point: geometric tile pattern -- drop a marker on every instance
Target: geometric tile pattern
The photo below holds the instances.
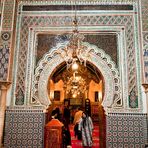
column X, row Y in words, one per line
column 6, row 26
column 24, row 128
column 7, row 15
column 4, row 60
column 126, row 130
column 45, row 21
column 144, row 7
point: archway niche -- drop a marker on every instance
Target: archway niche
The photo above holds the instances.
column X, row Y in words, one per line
column 76, row 85
column 97, row 57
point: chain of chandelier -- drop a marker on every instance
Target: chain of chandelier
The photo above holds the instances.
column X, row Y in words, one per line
column 75, row 51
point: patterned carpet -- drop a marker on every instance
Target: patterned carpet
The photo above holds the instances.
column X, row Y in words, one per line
column 78, row 143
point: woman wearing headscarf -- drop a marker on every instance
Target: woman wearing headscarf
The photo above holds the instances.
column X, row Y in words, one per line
column 86, row 127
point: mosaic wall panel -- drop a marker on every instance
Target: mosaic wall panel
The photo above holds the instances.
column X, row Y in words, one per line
column 4, row 61
column 46, row 21
column 145, row 56
column 5, row 35
column 144, row 7
column 7, row 15
column 24, row 128
column 126, row 130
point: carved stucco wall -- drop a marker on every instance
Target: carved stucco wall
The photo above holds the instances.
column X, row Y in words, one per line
column 124, row 23
column 94, row 55
column 107, row 42
column 123, row 130
column 144, row 8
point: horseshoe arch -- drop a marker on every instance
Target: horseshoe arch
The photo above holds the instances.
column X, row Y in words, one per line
column 112, row 91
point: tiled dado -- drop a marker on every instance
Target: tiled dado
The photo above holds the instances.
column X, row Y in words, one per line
column 24, row 128
column 126, row 130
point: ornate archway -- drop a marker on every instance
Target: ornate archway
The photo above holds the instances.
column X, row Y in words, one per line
column 112, row 90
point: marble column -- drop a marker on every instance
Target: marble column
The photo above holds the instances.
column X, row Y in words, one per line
column 146, row 92
column 3, row 89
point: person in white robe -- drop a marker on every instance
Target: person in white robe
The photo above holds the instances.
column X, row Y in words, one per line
column 86, row 127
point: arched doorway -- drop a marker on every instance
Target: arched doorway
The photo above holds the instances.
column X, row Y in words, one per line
column 95, row 56
column 47, row 67
column 75, row 86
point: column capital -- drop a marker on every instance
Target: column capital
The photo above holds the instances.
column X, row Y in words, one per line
column 145, row 87
column 4, row 85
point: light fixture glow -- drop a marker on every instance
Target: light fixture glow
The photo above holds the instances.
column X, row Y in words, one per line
column 75, row 66
column 74, row 95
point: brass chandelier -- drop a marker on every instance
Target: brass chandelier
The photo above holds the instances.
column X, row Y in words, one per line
column 76, row 85
column 75, row 50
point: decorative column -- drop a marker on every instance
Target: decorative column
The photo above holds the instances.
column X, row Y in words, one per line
column 3, row 89
column 102, row 125
column 146, row 92
column 144, row 12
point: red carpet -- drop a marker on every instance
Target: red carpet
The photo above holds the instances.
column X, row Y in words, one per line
column 78, row 143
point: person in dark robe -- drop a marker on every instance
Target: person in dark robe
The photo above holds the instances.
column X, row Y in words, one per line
column 66, row 135
column 56, row 113
column 66, row 114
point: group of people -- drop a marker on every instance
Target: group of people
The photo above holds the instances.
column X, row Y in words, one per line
column 83, row 126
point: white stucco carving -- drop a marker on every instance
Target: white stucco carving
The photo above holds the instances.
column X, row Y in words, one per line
column 96, row 56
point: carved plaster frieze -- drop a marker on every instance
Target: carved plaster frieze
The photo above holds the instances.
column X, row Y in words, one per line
column 57, row 2
column 96, row 56
column 27, row 21
column 122, row 110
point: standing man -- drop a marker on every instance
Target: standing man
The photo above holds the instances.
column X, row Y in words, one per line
column 66, row 114
column 76, row 121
